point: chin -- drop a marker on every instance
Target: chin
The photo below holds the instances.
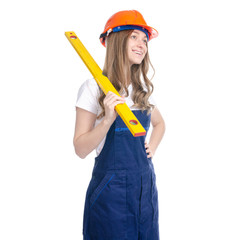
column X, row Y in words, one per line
column 137, row 63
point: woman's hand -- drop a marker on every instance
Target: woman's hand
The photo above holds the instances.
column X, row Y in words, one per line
column 149, row 151
column 110, row 101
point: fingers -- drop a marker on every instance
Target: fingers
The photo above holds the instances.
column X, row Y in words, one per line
column 148, row 150
column 111, row 100
column 112, row 96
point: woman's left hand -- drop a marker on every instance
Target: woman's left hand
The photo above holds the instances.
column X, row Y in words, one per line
column 149, row 151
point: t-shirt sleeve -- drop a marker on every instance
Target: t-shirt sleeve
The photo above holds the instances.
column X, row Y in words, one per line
column 152, row 100
column 87, row 97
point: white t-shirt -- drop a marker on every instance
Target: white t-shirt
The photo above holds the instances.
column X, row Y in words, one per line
column 87, row 99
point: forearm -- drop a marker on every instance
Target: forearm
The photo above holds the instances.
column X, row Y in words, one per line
column 156, row 136
column 87, row 142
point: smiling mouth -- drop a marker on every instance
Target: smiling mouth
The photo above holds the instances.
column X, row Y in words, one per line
column 138, row 52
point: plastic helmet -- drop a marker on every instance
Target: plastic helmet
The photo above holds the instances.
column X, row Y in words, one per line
column 124, row 20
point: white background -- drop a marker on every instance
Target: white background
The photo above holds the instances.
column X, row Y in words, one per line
column 196, row 58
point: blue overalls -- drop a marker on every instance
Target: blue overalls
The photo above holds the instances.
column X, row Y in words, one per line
column 122, row 200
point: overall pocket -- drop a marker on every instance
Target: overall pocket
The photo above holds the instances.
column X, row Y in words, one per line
column 103, row 184
column 108, row 218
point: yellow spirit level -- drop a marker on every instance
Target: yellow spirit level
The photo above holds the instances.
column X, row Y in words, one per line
column 122, row 109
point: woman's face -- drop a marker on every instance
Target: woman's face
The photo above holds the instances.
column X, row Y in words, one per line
column 137, row 47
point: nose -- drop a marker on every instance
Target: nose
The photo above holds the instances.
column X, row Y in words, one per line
column 141, row 43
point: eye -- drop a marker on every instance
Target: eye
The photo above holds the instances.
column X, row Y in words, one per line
column 133, row 36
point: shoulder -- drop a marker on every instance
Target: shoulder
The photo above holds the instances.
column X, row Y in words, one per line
column 88, row 95
column 89, row 83
column 90, row 86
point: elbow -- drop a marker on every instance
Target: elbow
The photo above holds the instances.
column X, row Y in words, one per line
column 79, row 151
column 80, row 154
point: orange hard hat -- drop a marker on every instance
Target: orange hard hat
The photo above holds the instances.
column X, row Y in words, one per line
column 129, row 19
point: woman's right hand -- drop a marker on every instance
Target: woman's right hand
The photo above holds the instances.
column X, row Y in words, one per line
column 110, row 101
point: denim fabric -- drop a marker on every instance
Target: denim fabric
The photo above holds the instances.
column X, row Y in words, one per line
column 122, row 199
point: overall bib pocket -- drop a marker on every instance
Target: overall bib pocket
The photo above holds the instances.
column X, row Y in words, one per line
column 108, row 217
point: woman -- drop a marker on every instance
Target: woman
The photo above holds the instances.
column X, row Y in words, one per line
column 121, row 200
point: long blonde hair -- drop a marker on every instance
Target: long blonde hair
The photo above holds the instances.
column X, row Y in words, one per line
column 121, row 76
